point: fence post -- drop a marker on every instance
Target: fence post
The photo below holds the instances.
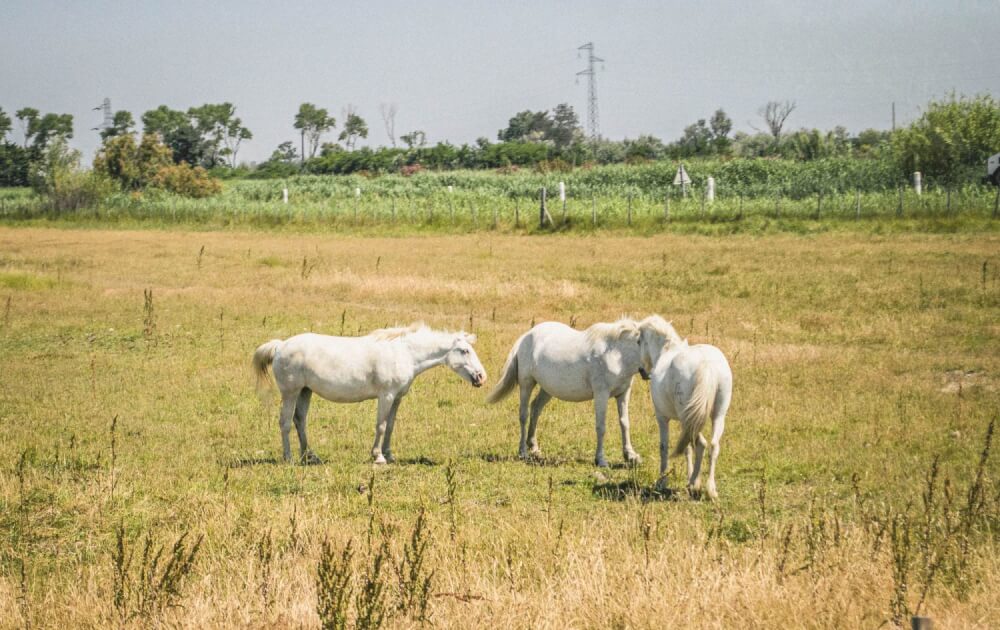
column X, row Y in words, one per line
column 284, row 195
column 543, row 212
column 857, row 204
column 918, row 184
column 710, row 190
column 562, row 198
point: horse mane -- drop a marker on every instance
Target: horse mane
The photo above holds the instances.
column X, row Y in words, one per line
column 389, row 334
column 612, row 331
column 661, row 327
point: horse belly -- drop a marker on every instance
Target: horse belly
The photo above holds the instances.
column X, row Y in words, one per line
column 343, row 391
column 565, row 383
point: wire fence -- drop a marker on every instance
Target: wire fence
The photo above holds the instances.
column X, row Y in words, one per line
column 473, row 210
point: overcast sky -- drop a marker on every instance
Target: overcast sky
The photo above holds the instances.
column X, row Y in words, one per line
column 460, row 70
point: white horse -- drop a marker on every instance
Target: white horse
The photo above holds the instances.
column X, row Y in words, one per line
column 690, row 384
column 573, row 365
column 379, row 365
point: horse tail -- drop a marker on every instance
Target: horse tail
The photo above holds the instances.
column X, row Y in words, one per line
column 506, row 384
column 698, row 410
column 263, row 356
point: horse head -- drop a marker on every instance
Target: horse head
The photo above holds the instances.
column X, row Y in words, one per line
column 462, row 359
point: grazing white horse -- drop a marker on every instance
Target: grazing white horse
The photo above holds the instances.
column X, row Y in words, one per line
column 572, row 365
column 379, row 365
column 690, row 384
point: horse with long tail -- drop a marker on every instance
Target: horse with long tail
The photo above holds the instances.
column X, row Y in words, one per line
column 380, row 365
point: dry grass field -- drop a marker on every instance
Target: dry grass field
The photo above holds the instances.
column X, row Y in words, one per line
column 852, row 486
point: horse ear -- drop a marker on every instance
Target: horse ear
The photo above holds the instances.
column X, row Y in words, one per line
column 471, row 338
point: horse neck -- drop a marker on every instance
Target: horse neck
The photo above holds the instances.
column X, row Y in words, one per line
column 428, row 350
column 663, row 343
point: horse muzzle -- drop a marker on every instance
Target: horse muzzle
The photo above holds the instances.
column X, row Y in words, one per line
column 478, row 380
column 644, row 374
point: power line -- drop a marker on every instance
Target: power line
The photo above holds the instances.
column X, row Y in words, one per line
column 591, row 74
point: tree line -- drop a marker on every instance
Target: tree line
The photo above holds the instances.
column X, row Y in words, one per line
column 951, row 140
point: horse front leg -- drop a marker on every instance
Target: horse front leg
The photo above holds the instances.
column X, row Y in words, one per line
column 390, row 424
column 600, row 416
column 664, row 423
column 381, row 421
column 631, row 457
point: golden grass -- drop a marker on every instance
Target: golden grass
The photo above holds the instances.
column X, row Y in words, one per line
column 857, row 358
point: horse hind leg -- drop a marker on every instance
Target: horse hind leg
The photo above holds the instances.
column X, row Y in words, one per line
column 301, row 412
column 525, row 387
column 285, row 417
column 718, row 426
column 694, row 469
column 542, row 398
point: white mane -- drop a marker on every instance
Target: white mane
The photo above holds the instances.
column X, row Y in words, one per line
column 613, row 331
column 389, row 334
column 661, row 327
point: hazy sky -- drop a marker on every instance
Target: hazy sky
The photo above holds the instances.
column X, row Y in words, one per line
column 460, row 70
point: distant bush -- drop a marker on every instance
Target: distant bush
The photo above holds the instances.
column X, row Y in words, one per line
column 182, row 179
column 150, row 165
column 58, row 177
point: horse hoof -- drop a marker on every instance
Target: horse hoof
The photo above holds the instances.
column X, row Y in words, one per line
column 311, row 459
column 633, row 459
column 380, row 460
column 389, row 458
column 601, row 463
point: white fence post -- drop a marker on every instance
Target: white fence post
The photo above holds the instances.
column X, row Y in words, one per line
column 918, row 183
column 710, row 190
column 284, row 195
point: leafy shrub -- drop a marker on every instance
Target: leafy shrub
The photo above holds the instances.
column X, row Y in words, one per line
column 186, row 181
column 58, row 177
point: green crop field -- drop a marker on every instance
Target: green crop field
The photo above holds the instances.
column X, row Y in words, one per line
column 856, row 483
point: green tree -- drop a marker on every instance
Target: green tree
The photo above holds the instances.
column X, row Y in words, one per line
column 40, row 129
column 697, row 139
column 122, row 124
column 720, row 125
column 354, row 127
column 414, row 140
column 177, row 132
column 5, row 124
column 953, row 138
column 222, row 131
column 565, row 126
column 526, row 125
column 28, row 116
column 312, row 122
column 285, row 153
